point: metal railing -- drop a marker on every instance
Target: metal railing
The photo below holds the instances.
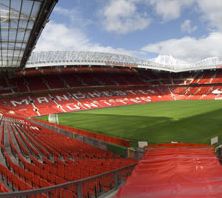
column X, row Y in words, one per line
column 93, row 186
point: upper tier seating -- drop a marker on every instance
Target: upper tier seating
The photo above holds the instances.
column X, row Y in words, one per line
column 85, row 77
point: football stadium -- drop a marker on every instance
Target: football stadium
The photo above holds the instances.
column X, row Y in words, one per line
column 83, row 123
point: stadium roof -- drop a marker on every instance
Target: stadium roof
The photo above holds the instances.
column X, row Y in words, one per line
column 77, row 58
column 21, row 22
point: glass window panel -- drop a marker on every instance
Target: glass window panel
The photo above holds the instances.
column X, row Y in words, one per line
column 12, row 35
column 36, row 8
column 30, row 25
column 17, row 18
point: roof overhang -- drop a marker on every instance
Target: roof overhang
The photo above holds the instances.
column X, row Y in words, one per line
column 21, row 23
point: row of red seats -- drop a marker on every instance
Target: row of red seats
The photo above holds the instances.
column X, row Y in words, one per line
column 10, row 177
column 75, row 160
column 103, row 137
column 3, row 189
column 30, row 147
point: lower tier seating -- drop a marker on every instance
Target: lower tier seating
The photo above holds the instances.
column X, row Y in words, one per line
column 34, row 157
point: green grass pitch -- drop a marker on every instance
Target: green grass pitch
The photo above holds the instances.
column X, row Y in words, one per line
column 183, row 121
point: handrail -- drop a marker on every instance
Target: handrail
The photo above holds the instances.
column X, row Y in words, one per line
column 67, row 184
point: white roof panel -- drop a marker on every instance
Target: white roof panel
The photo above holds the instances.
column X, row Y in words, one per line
column 80, row 58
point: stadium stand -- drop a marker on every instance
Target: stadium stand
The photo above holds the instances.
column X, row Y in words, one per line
column 43, row 91
column 34, row 157
column 30, row 160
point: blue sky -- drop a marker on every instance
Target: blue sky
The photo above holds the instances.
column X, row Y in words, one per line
column 190, row 30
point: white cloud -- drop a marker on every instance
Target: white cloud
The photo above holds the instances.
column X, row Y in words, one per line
column 60, row 37
column 72, row 36
column 169, row 9
column 211, row 12
column 189, row 48
column 73, row 16
column 188, row 27
column 122, row 16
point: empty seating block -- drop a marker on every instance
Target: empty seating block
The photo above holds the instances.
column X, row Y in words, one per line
column 35, row 157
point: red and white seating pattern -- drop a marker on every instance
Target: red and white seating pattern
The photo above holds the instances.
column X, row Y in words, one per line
column 74, row 89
